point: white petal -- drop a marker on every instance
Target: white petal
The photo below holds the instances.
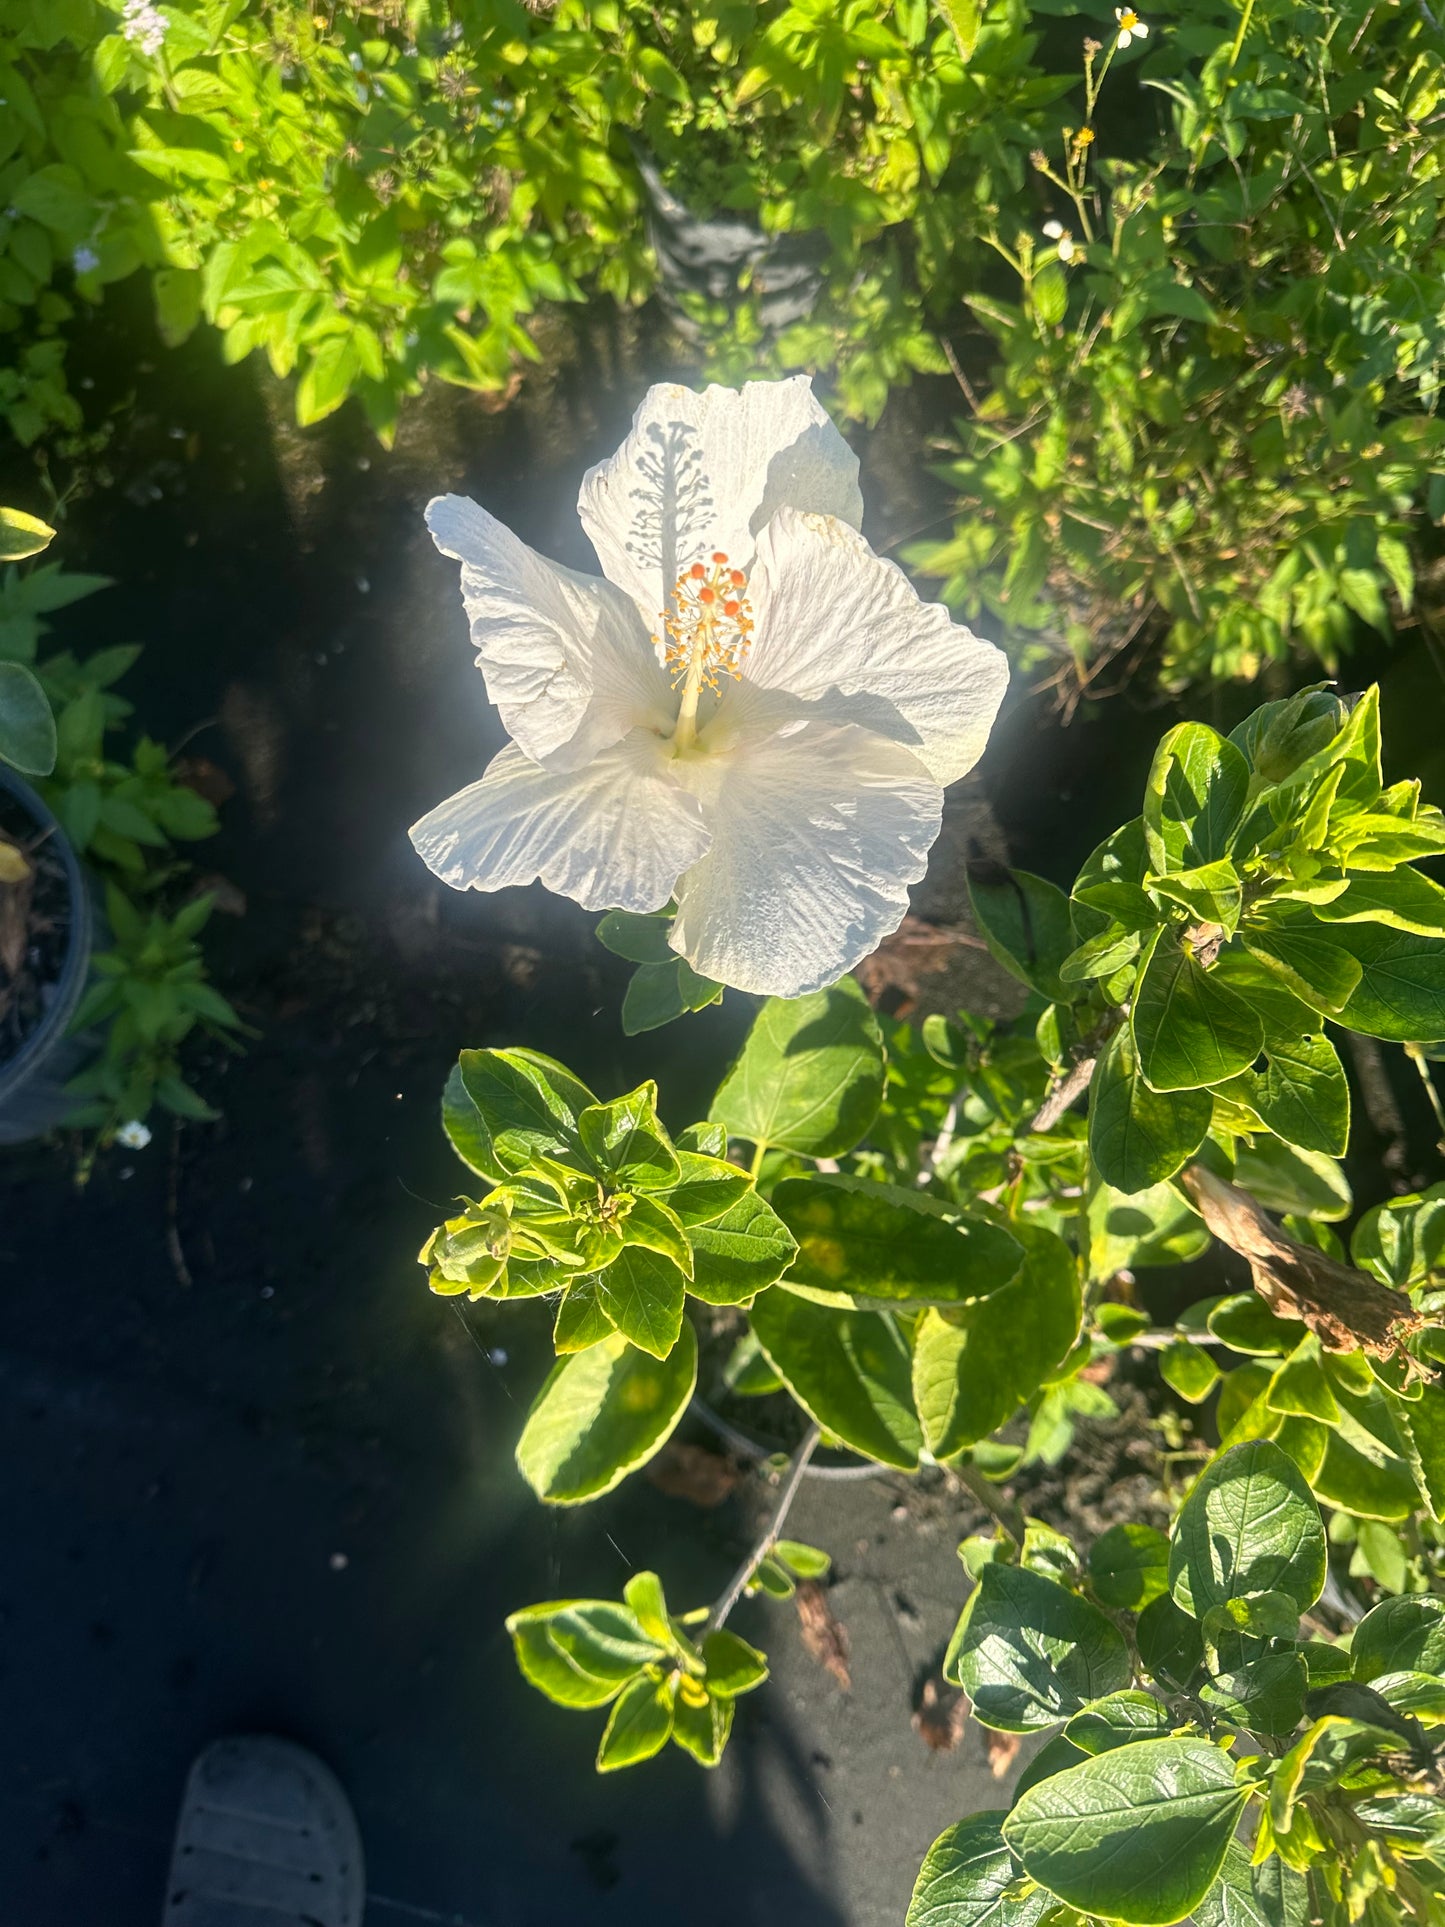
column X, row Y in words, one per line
column 566, row 659
column 843, row 627
column 614, row 835
column 704, row 472
column 818, row 830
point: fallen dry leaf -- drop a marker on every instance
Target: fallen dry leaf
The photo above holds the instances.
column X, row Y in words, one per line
column 693, row 1473
column 229, row 898
column 825, row 1636
column 1002, row 1750
column 940, row 1716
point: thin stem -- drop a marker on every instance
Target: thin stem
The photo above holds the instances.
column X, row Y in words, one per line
column 685, row 735
column 760, row 1151
column 1010, row 1517
column 1417, row 1058
column 792, row 1479
column 1244, row 19
column 747, row 1447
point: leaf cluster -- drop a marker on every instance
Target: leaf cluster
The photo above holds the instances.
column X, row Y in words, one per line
column 1212, row 1757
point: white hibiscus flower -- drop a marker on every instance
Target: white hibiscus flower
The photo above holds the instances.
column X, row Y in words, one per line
column 753, row 714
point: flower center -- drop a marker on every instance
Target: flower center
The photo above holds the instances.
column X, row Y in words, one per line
column 708, row 628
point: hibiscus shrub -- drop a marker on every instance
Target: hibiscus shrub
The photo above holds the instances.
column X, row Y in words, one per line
column 928, row 1246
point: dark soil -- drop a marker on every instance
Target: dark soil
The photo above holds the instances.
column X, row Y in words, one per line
column 34, row 928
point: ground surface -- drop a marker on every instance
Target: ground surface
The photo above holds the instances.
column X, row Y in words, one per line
column 256, row 1478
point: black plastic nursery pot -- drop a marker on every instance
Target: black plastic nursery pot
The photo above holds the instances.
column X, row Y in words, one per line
column 37, row 1054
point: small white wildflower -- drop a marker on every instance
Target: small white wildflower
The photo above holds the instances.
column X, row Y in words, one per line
column 1131, row 27
column 85, row 260
column 1064, row 241
column 135, row 1136
column 144, row 24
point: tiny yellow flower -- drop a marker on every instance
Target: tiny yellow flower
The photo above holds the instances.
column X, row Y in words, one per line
column 1084, row 137
column 1131, row 27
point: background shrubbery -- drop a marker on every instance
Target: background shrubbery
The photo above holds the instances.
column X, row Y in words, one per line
column 1197, row 418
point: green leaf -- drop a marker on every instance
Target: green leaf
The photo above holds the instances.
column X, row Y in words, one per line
column 1194, row 798
column 650, row 1223
column 863, row 1241
column 1249, row 1525
column 639, row 1725
column 660, row 993
column 1138, row 1834
column 1401, row 899
column 1129, row 1567
column 1153, row 1227
column 1284, row 1179
column 810, row 1076
column 1029, row 1654
column 581, row 1652
column 1026, row 924
column 640, row 939
column 967, row 1880
column 708, row 1187
column 1246, row 1324
column 1270, row 1895
column 975, row 1365
column 1100, row 956
column 1401, row 1635
column 1302, row 1094
column 1119, row 1719
column 642, row 1292
column 1401, row 992
column 1255, row 1684
column 22, row 535
column 850, row 1371
column 27, row 727
column 624, row 1140
column 581, row 1322
column 804, row 1562
column 739, row 1254
column 1171, row 1646
column 601, row 1414
column 503, row 1107
column 646, row 1599
column 177, row 293
column 702, row 1729
column 1137, row 1137
column 1212, row 892
column 733, row 1667
column 1190, row 1030
column 1319, row 970
column 1189, row 1370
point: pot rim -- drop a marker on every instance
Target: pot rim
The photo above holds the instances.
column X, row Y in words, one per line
column 75, row 969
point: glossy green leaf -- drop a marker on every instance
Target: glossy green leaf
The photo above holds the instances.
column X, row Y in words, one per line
column 1029, row 1654
column 1171, row 1646
column 1190, row 1029
column 503, row 1107
column 22, row 535
column 640, row 939
column 970, row 1879
column 1246, row 1324
column 848, row 1370
column 1138, row 1137
column 859, row 1241
column 975, row 1365
column 1401, row 899
column 1138, row 1834
column 1129, row 1566
column 1194, row 798
column 1025, row 923
column 1401, row 1635
column 1284, row 1178
column 1270, row 1895
column 1119, row 1719
column 706, row 1188
column 581, row 1652
column 1154, row 1227
column 1250, row 1525
column 648, row 1222
column 1317, row 969
column 1302, row 1094
column 1210, row 892
column 639, row 1724
column 642, row 1292
column 1401, row 992
column 810, row 1076
column 741, row 1253
column 1190, row 1370
column 733, row 1667
column 660, row 993
column 702, row 1728
column 600, row 1414
column 581, row 1321
column 625, row 1141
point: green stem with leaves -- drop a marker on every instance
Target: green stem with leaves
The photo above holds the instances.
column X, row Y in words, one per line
column 792, row 1479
